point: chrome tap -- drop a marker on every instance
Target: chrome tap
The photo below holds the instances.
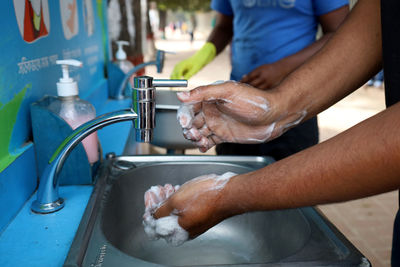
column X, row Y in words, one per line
column 144, row 104
column 142, row 115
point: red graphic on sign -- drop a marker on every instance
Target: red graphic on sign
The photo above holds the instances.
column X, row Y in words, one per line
column 32, row 31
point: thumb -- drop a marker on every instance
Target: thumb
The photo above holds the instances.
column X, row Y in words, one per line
column 163, row 211
column 205, row 93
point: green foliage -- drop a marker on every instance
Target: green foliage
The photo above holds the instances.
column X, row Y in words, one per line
column 184, row 5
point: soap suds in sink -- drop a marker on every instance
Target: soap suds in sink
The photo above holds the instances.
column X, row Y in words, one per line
column 167, row 227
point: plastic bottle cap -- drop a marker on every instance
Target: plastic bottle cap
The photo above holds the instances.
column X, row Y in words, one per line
column 67, row 86
column 121, row 55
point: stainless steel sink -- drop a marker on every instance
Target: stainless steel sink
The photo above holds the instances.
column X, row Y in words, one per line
column 111, row 231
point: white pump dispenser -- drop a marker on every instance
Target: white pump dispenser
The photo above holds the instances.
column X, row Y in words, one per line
column 73, row 110
column 121, row 55
column 67, row 86
column 121, row 59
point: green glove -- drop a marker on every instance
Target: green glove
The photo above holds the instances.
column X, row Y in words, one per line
column 189, row 67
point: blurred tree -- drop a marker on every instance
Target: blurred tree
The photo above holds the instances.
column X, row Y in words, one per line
column 125, row 23
column 185, row 5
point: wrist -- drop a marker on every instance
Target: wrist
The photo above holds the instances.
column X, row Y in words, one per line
column 288, row 109
column 233, row 201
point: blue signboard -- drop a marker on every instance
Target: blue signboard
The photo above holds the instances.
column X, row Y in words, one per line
column 35, row 33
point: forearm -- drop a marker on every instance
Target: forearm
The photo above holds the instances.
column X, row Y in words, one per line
column 222, row 33
column 360, row 162
column 347, row 60
column 292, row 62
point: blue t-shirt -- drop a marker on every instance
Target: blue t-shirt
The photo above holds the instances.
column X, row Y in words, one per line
column 266, row 31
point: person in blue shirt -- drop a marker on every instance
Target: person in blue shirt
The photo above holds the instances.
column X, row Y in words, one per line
column 377, row 80
column 270, row 38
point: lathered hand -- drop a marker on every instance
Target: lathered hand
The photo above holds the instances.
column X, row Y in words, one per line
column 197, row 204
column 234, row 112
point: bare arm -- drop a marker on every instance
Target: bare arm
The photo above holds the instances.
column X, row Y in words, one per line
column 345, row 63
column 222, row 33
column 359, row 162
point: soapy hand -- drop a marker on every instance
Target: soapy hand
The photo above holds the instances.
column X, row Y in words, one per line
column 166, row 227
column 196, row 207
column 233, row 112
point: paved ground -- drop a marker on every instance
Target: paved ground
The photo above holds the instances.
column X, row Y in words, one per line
column 368, row 222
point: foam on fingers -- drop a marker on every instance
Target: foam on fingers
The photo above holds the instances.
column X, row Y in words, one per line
column 168, row 227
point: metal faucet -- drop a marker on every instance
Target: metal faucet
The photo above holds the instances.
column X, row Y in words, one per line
column 158, row 62
column 142, row 114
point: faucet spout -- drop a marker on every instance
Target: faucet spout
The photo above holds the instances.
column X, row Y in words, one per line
column 144, row 103
column 48, row 199
column 142, row 115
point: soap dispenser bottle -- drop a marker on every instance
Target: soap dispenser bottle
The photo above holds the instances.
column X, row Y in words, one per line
column 74, row 110
column 121, row 59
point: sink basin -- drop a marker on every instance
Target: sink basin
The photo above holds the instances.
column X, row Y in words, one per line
column 111, row 231
column 241, row 239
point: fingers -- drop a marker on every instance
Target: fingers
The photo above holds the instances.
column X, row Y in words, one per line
column 163, row 223
column 153, row 197
column 200, row 134
column 156, row 198
column 157, row 195
column 181, row 69
column 258, row 82
column 175, row 75
column 177, row 72
column 206, row 93
column 195, row 129
column 185, row 116
column 255, row 79
column 193, row 125
column 190, row 72
column 247, row 78
column 198, row 121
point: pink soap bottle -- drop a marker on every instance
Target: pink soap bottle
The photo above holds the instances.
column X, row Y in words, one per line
column 76, row 111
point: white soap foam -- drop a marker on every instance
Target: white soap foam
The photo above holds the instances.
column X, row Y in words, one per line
column 168, row 227
column 185, row 116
